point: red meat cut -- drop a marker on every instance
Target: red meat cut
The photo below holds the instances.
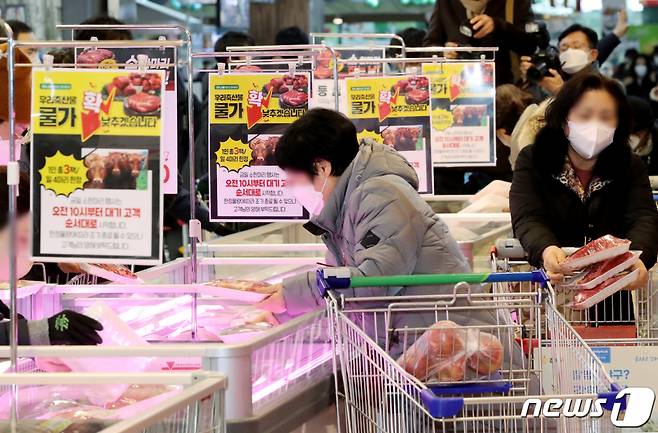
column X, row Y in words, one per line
column 143, row 102
column 418, row 96
column 599, row 272
column 294, row 98
column 598, row 250
column 94, row 57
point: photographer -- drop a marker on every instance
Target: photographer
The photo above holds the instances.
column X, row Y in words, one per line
column 579, row 49
column 483, row 23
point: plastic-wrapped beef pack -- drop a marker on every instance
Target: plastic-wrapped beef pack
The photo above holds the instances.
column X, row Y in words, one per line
column 598, row 250
column 598, row 273
column 443, row 353
column 584, row 299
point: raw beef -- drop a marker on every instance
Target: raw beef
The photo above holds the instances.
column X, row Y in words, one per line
column 294, row 98
column 245, row 285
column 249, row 68
column 600, row 272
column 588, row 298
column 438, row 354
column 94, row 56
column 143, row 103
column 323, row 72
column 489, row 355
column 598, row 250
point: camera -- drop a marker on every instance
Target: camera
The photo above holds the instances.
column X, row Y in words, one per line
column 466, row 29
column 546, row 57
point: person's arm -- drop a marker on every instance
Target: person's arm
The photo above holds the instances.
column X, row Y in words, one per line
column 23, row 333
column 436, row 34
column 529, row 217
column 513, row 35
column 392, row 229
column 641, row 215
column 606, row 46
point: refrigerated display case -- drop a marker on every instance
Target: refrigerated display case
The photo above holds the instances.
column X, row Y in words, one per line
column 80, row 402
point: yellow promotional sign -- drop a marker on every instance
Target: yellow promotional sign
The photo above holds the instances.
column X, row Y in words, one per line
column 387, row 97
column 254, row 99
column 460, row 80
column 97, row 102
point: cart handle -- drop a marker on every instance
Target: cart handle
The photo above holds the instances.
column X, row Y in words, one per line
column 340, row 278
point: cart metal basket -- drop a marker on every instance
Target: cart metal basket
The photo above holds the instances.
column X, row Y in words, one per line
column 380, row 396
column 195, row 404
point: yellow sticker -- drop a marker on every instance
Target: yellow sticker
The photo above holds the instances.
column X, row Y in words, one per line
column 377, row 138
column 233, row 155
column 441, row 119
column 63, row 174
column 107, row 64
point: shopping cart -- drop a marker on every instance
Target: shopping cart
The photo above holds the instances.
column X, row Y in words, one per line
column 626, row 315
column 380, row 396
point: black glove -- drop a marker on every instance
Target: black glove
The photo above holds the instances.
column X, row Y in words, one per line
column 69, row 327
column 5, row 312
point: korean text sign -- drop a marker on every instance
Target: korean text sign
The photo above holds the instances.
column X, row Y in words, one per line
column 248, row 113
column 156, row 59
column 395, row 111
column 463, row 121
column 95, row 165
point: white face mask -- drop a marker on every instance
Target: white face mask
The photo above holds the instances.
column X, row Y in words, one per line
column 589, row 139
column 574, row 60
column 641, row 70
column 655, row 60
column 308, row 197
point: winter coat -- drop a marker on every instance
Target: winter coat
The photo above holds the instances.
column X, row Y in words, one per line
column 448, row 15
column 547, row 212
column 376, row 223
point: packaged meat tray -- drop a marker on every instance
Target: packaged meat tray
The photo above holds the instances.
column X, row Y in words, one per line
column 584, row 299
column 602, row 271
column 115, row 273
column 243, row 290
column 598, row 250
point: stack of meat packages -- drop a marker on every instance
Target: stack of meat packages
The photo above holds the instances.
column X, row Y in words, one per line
column 447, row 352
column 605, row 268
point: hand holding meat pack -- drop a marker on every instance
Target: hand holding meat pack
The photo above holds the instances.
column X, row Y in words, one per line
column 605, row 263
column 444, row 351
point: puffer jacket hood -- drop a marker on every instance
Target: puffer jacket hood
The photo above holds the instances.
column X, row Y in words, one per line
column 373, row 160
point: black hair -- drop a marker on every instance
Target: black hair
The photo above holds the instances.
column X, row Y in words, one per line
column 233, row 39
column 631, row 52
column 647, row 60
column 22, row 201
column 552, row 144
column 591, row 35
column 103, row 35
column 17, row 27
column 655, row 50
column 641, row 113
column 318, row 134
column 511, row 102
column 291, row 36
column 412, row 37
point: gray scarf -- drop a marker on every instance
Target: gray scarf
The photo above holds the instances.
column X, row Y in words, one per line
column 474, row 7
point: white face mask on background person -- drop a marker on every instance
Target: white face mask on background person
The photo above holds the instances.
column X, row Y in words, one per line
column 574, row 60
column 308, row 197
column 634, row 142
column 589, row 139
column 655, row 60
column 641, row 70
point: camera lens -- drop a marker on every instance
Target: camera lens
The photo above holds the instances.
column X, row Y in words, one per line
column 537, row 72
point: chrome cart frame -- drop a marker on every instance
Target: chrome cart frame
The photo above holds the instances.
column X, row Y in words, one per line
column 381, row 396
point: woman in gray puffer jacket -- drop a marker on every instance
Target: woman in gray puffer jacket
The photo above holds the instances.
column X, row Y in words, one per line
column 364, row 203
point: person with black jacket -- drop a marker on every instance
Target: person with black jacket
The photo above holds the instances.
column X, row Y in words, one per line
column 580, row 181
column 644, row 135
column 65, row 327
column 490, row 21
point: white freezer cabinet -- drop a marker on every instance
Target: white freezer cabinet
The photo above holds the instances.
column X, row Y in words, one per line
column 112, row 402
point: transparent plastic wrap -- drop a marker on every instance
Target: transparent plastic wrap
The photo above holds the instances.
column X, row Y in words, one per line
column 244, row 285
column 78, row 403
column 598, row 250
column 598, row 273
column 443, row 353
column 56, row 426
column 584, row 299
column 115, row 273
